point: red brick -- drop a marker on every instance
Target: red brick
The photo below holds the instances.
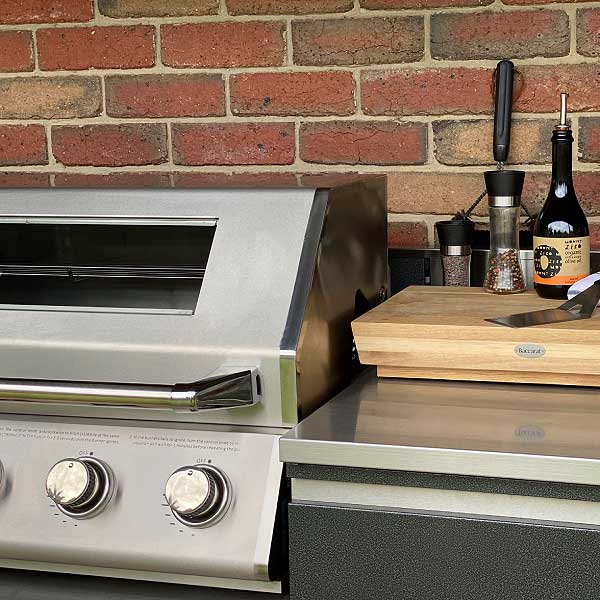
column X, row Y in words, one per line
column 240, row 44
column 358, row 41
column 17, row 51
column 407, row 235
column 427, row 91
column 524, row 34
column 96, row 48
column 543, row 84
column 326, row 180
column 49, row 97
column 595, row 236
column 589, row 139
column 287, row 7
column 234, row 144
column 243, row 180
column 157, row 8
column 165, row 96
column 401, row 4
column 10, row 179
column 449, row 193
column 363, row 142
column 112, row 180
column 588, row 32
column 587, row 188
column 110, row 145
column 535, row 191
column 329, row 93
column 434, row 193
column 45, row 11
column 22, row 145
column 470, row 142
column 525, row 2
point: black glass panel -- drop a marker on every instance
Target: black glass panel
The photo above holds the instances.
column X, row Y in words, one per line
column 130, row 266
column 105, row 245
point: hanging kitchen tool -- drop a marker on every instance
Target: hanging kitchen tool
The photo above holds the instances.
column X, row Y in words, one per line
column 503, row 97
column 581, row 306
column 503, row 111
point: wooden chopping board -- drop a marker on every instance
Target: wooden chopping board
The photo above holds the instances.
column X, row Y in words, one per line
column 428, row 332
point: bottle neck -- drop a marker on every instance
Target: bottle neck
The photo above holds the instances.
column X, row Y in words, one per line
column 562, row 163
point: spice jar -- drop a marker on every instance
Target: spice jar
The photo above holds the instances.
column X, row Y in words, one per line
column 504, row 274
column 456, row 238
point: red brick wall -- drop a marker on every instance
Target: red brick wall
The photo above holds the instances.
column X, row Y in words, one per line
column 283, row 92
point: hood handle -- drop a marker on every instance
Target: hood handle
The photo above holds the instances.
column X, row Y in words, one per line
column 229, row 390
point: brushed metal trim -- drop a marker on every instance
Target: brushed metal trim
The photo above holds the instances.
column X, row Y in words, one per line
column 49, row 219
column 561, row 469
column 288, row 387
column 98, row 309
column 306, row 271
column 273, row 587
column 456, row 502
column 293, row 327
column 268, row 515
column 504, row 201
column 455, row 250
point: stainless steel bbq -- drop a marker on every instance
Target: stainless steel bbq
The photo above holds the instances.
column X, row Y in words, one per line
column 154, row 345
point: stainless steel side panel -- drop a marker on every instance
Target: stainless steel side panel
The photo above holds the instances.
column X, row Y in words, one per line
column 346, row 271
column 137, row 532
column 240, row 316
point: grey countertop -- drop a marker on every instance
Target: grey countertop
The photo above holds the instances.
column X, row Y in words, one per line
column 533, row 432
column 33, row 585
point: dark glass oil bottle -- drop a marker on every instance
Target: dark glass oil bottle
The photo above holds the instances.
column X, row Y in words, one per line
column 561, row 237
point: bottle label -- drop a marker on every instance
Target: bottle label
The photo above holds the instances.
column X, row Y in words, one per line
column 561, row 261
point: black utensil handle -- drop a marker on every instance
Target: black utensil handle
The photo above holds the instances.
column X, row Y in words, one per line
column 503, row 109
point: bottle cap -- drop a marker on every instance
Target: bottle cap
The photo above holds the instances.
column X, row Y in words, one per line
column 504, row 187
column 458, row 232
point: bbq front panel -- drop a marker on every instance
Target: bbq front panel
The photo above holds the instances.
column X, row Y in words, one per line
column 139, row 530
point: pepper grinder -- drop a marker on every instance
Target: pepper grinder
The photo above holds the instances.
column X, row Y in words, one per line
column 456, row 239
column 504, row 274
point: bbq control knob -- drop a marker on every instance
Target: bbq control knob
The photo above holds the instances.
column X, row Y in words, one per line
column 81, row 488
column 199, row 496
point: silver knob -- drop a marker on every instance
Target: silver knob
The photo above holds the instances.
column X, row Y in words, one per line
column 80, row 487
column 2, row 478
column 198, row 496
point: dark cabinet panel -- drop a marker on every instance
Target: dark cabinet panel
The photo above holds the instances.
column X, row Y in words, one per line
column 339, row 553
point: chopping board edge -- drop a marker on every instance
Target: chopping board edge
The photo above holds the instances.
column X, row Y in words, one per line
column 445, row 342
